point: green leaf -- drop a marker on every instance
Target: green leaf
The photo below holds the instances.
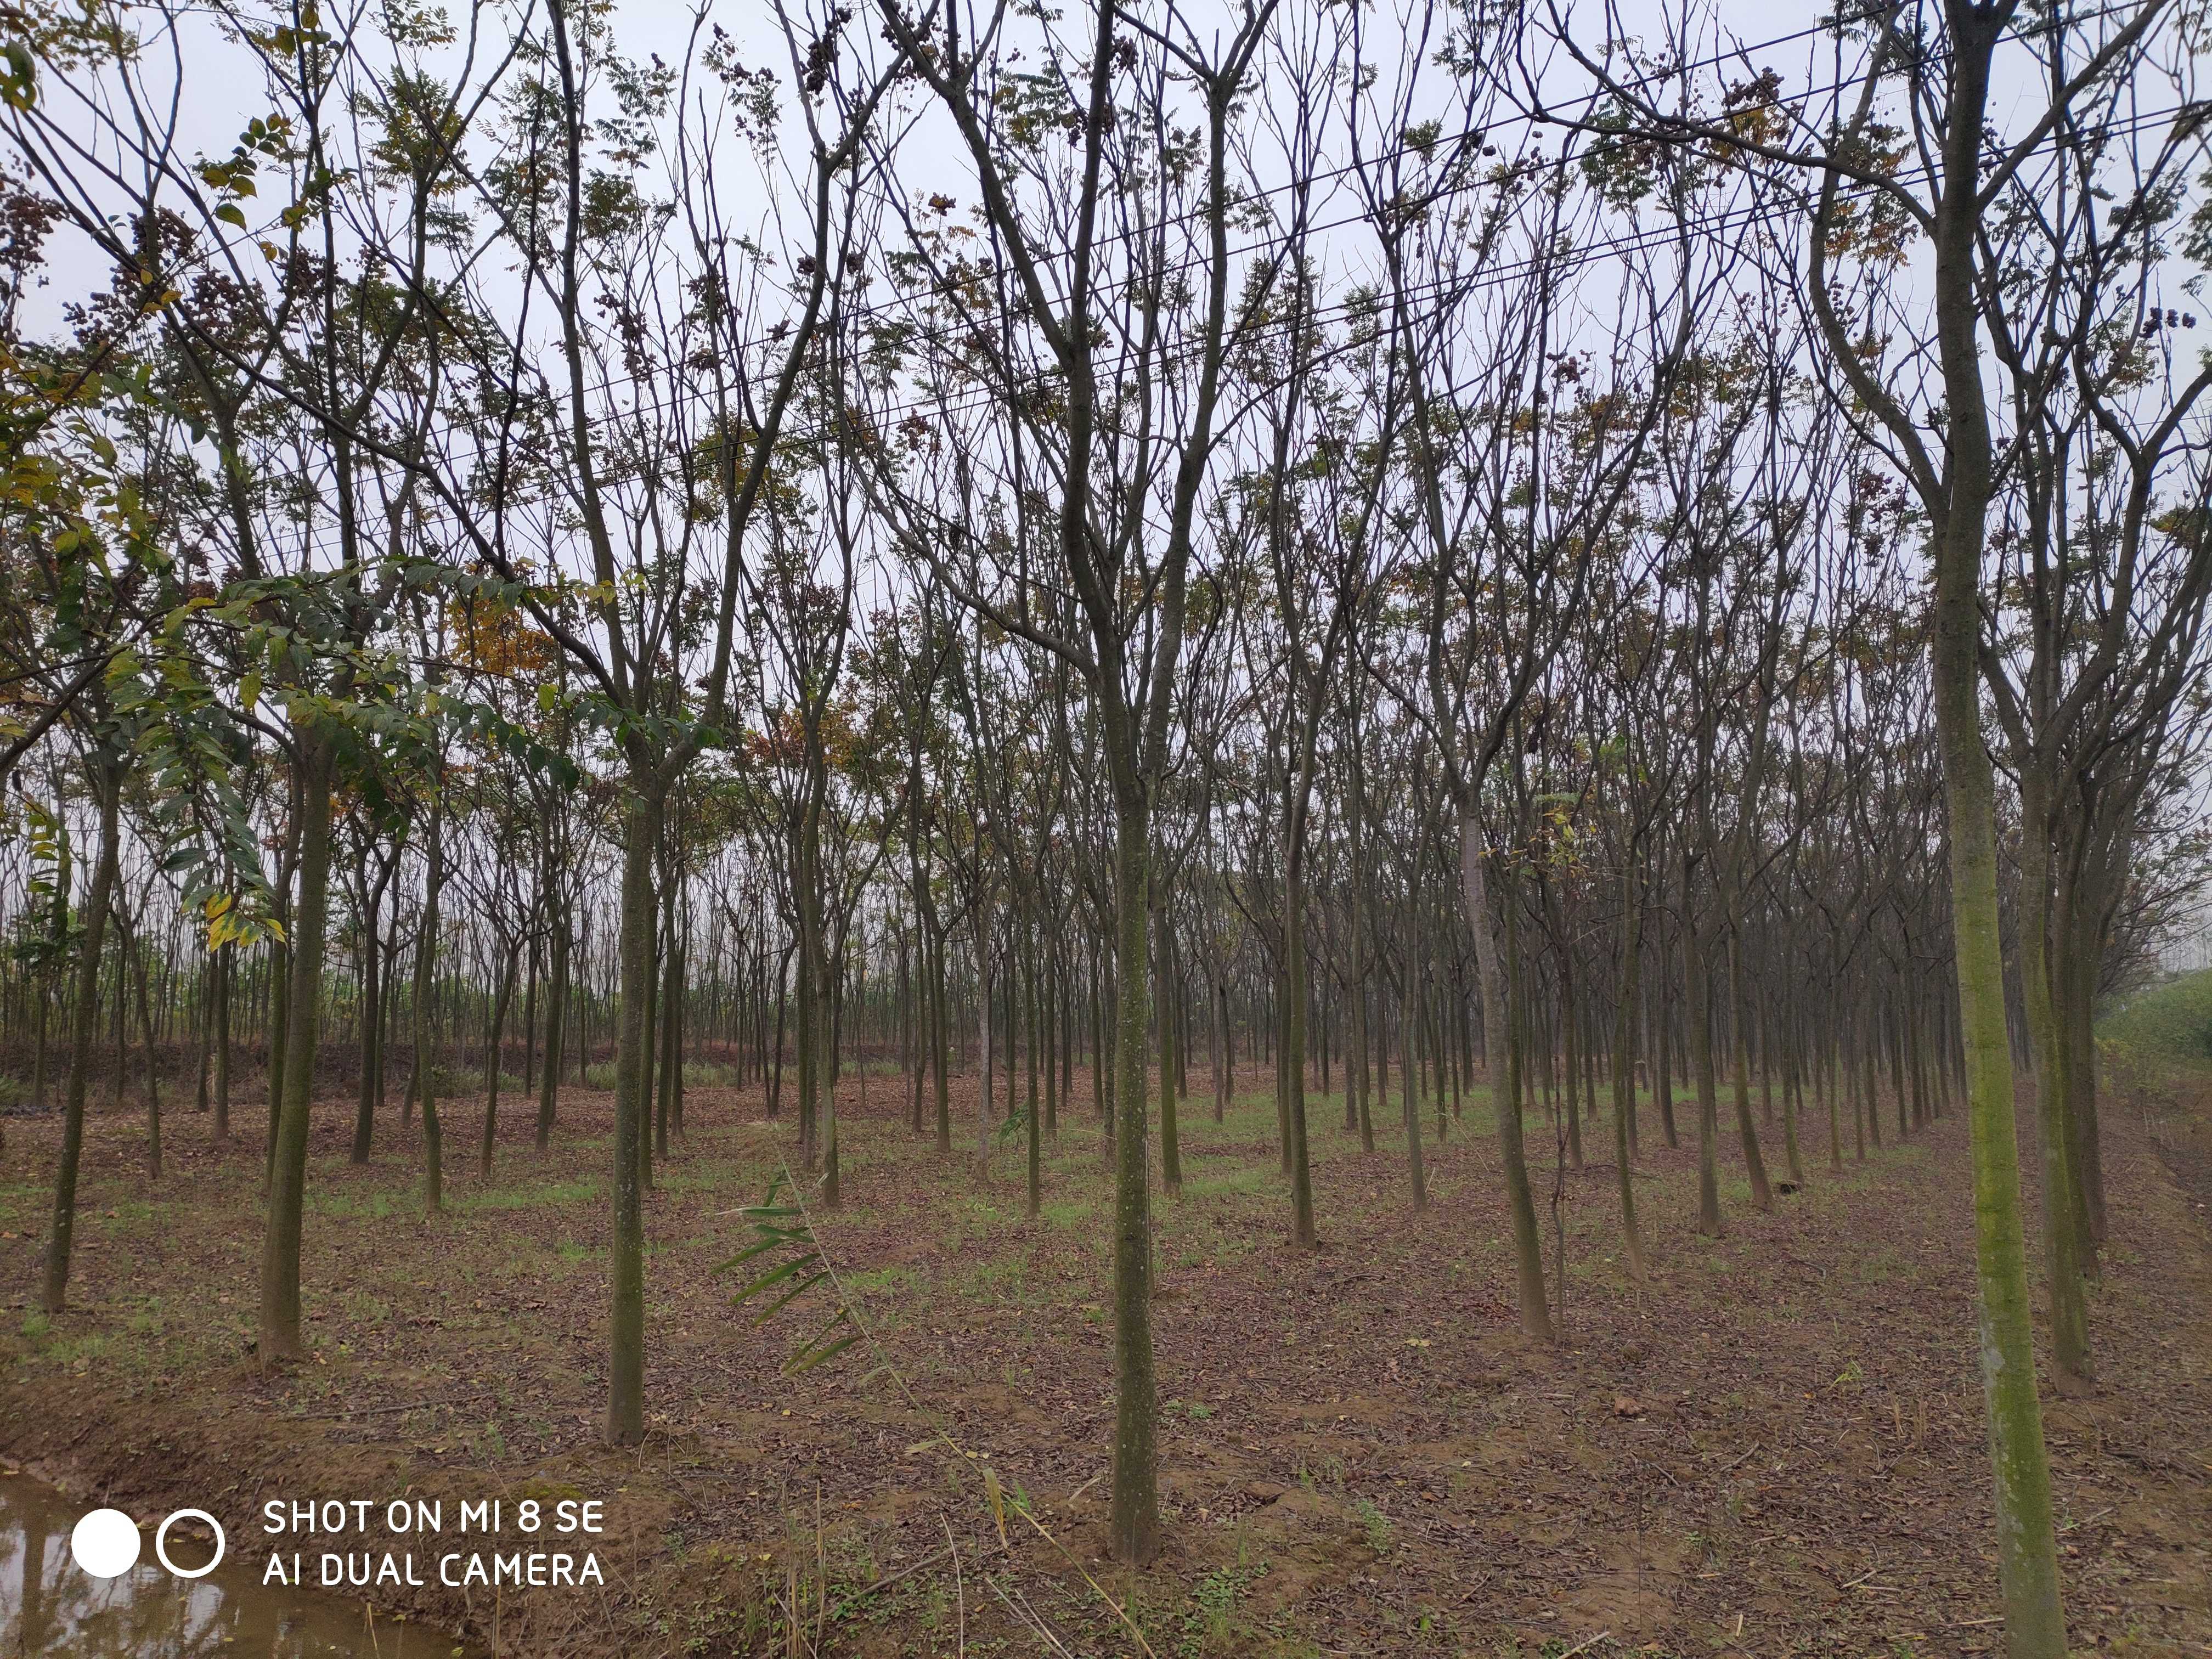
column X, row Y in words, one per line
column 748, row 1253
column 808, row 1360
column 789, row 1297
column 773, row 1277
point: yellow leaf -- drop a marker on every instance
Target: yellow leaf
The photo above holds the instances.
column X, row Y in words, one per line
column 998, row 1502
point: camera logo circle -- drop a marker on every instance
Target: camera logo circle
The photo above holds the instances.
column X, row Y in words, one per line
column 161, row 1537
column 105, row 1543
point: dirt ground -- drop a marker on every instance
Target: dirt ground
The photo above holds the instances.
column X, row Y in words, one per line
column 1774, row 1446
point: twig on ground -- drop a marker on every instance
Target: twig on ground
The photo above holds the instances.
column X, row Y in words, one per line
column 380, row 1410
column 959, row 1589
column 927, row 1562
column 1732, row 1462
column 1018, row 1605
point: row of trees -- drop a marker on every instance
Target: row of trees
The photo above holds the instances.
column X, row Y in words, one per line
column 1408, row 543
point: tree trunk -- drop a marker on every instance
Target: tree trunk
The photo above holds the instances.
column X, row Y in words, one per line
column 152, row 1071
column 2027, row 1561
column 84, row 1020
column 1624, row 1069
column 1163, row 972
column 556, row 1004
column 372, row 1026
column 2055, row 1140
column 1499, row 1041
column 423, row 1084
column 502, row 998
column 1697, row 982
column 1293, row 1058
column 625, row 1417
column 984, row 1051
column 1762, row 1192
column 1135, row 1520
column 280, row 1334
column 226, row 965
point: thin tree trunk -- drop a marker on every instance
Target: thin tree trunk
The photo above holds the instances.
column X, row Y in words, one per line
column 1624, row 1069
column 423, row 1084
column 84, row 1018
column 556, row 1004
column 1698, row 985
column 501, row 1001
column 280, row 1333
column 625, row 1416
column 226, row 967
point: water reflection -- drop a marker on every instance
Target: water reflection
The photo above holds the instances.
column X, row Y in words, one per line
column 49, row 1605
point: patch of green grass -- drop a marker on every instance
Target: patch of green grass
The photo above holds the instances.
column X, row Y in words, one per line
column 697, row 1074
column 539, row 1195
column 1220, row 1183
column 2170, row 1020
column 893, row 1277
column 709, row 1175
column 1211, row 1624
column 338, row 1205
column 124, row 1215
column 991, row 1280
column 1067, row 1212
column 1374, row 1524
column 1881, row 1265
column 92, row 1347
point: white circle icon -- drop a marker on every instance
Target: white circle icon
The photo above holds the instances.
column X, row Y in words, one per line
column 162, row 1535
column 105, row 1543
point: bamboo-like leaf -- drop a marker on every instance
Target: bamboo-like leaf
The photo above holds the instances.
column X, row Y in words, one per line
column 790, row 1296
column 807, row 1362
column 802, row 1270
column 753, row 1251
column 991, row 1491
column 775, row 1276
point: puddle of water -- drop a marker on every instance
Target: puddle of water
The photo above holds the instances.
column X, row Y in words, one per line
column 49, row 1604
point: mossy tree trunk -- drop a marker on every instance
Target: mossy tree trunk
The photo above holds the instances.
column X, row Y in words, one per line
column 2062, row 1225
